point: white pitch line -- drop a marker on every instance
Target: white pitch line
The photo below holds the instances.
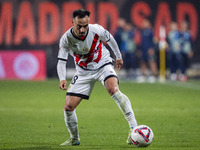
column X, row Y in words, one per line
column 184, row 85
column 170, row 83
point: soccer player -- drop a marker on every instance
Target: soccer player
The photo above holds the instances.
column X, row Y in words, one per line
column 84, row 42
column 174, row 50
column 186, row 49
column 148, row 52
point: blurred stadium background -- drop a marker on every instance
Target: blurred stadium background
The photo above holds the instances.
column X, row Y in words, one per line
column 30, row 30
column 31, row 113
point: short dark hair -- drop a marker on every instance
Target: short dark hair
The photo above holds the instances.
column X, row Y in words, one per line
column 81, row 13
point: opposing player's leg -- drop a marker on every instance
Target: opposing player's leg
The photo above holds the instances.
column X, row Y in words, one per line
column 71, row 120
column 122, row 101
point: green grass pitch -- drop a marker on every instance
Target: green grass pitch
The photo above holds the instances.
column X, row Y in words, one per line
column 31, row 116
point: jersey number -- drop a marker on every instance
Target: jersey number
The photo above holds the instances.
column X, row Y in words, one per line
column 74, row 79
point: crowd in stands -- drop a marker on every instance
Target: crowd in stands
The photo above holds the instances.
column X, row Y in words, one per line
column 139, row 49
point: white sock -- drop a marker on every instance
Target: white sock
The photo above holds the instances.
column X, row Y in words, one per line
column 124, row 104
column 71, row 122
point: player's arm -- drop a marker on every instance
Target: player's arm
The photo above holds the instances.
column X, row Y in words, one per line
column 113, row 45
column 107, row 37
column 61, row 70
column 61, row 65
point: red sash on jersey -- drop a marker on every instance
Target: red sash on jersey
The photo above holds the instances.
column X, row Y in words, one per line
column 90, row 55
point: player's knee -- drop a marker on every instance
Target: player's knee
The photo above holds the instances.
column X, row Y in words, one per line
column 69, row 107
column 112, row 91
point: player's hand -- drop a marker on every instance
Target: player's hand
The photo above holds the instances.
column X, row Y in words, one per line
column 63, row 85
column 119, row 64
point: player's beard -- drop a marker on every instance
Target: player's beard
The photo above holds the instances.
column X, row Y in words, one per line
column 82, row 34
column 79, row 34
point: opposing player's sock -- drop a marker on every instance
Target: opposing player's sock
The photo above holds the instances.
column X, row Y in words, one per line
column 124, row 104
column 71, row 123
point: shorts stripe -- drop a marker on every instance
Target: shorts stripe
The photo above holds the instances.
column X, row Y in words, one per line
column 110, row 77
column 78, row 95
column 62, row 59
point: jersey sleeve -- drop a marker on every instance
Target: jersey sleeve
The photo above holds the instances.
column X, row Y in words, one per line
column 62, row 59
column 104, row 34
column 113, row 45
column 63, row 50
column 61, row 69
column 107, row 37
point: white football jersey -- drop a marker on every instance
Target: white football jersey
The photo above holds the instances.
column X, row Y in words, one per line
column 88, row 53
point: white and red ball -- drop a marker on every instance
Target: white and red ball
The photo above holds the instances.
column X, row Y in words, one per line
column 142, row 136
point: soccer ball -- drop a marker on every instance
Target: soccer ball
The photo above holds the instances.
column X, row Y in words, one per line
column 142, row 136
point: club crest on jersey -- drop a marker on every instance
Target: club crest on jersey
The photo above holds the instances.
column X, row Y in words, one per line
column 86, row 49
